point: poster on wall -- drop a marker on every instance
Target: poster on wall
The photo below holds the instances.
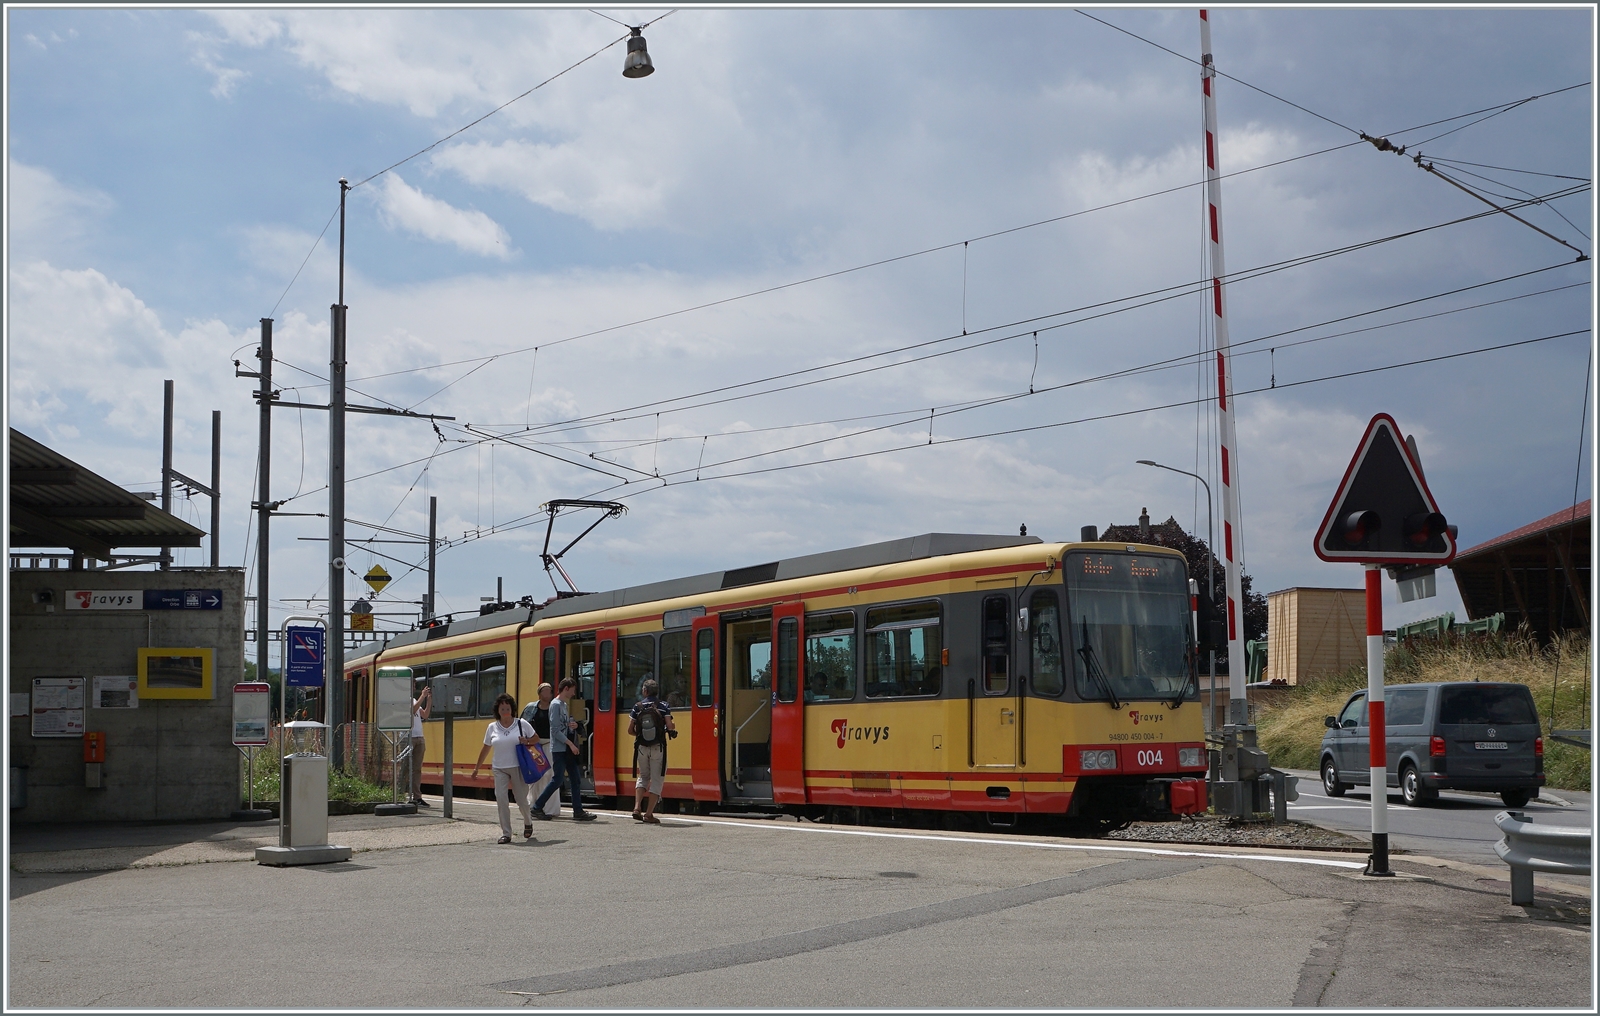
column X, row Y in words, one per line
column 120, row 692
column 58, row 707
column 19, row 704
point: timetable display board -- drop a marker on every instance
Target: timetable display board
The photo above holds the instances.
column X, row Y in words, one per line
column 57, row 707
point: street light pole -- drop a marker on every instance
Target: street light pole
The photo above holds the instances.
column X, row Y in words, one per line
column 1211, row 582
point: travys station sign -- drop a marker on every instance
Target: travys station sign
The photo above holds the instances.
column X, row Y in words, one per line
column 143, row 599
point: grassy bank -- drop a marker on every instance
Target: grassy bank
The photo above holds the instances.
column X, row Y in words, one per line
column 1291, row 731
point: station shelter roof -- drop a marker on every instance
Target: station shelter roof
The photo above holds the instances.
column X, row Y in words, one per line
column 55, row 502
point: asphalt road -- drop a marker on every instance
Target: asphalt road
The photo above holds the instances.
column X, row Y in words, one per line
column 1459, row 825
column 740, row 913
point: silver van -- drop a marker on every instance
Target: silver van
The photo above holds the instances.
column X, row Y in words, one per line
column 1459, row 735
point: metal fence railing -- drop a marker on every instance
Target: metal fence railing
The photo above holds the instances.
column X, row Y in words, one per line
column 367, row 754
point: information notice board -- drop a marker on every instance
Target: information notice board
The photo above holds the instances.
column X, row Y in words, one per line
column 57, row 708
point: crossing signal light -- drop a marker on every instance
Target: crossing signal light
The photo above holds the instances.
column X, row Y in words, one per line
column 1423, row 527
column 1356, row 526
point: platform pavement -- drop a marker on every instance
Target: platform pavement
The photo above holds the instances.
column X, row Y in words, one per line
column 730, row 913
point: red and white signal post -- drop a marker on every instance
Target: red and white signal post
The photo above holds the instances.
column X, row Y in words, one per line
column 1383, row 514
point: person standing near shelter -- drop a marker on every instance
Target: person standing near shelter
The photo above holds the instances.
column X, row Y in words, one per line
column 565, row 762
column 538, row 713
column 505, row 732
column 650, row 724
column 421, row 709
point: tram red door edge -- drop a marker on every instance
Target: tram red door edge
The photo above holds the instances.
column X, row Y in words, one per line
column 788, row 718
column 603, row 731
column 705, row 764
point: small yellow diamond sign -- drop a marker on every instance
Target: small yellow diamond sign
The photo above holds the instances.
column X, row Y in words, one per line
column 377, row 578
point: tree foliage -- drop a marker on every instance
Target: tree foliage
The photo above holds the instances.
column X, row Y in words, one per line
column 1196, row 552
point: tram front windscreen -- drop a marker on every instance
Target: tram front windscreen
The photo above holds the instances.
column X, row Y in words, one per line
column 1128, row 625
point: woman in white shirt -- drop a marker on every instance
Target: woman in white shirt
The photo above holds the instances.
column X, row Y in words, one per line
column 505, row 732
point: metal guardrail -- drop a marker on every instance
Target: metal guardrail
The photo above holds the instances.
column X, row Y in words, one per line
column 1546, row 848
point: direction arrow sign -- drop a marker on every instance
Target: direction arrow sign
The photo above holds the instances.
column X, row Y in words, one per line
column 303, row 657
column 377, row 578
column 1383, row 512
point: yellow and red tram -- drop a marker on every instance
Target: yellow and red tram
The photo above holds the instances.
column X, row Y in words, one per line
column 940, row 673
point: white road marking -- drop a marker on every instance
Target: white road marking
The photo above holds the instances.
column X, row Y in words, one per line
column 1034, row 844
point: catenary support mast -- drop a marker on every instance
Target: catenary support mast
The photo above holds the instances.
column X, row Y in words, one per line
column 1237, row 712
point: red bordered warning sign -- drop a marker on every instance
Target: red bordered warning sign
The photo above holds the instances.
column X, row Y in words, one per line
column 1384, row 512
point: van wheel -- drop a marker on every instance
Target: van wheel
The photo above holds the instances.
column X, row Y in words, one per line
column 1411, row 789
column 1330, row 779
column 1516, row 798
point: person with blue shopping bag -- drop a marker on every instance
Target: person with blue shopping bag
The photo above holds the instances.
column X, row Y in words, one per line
column 506, row 733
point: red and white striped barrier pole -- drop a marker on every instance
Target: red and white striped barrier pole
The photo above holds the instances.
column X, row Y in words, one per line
column 1378, row 756
column 1238, row 712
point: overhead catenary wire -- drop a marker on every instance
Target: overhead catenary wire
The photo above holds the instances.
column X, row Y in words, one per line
column 1026, row 326
column 480, row 436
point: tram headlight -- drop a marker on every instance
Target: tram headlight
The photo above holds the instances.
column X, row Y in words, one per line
column 1090, row 758
column 1188, row 758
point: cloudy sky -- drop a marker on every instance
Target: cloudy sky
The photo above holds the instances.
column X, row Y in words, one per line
column 742, row 294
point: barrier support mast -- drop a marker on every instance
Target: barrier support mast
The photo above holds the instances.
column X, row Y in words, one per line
column 1237, row 711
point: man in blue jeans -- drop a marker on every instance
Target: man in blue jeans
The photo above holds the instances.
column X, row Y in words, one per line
column 565, row 763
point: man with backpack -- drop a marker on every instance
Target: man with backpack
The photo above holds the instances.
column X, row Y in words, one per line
column 650, row 724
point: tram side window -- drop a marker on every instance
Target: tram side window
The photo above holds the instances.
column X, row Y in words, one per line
column 750, row 654
column 638, row 654
column 788, row 658
column 830, row 657
column 904, row 650
column 491, row 681
column 547, row 668
column 705, row 655
column 469, row 669
column 673, row 671
column 579, row 665
column 996, row 644
column 1044, row 638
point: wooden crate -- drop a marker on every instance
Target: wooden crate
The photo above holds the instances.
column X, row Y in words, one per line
column 1313, row 631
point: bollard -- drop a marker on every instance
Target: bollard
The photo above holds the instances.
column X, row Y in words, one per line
column 1548, row 848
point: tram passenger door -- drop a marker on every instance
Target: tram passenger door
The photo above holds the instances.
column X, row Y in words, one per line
column 603, row 732
column 994, row 704
column 705, row 747
column 747, row 669
column 788, row 707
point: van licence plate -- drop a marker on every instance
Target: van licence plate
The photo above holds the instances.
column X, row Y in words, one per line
column 1489, row 745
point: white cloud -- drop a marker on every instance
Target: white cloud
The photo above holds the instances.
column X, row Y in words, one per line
column 405, row 207
column 46, row 216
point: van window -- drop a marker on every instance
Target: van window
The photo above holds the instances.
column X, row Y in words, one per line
column 1355, row 712
column 1486, row 703
column 1405, row 706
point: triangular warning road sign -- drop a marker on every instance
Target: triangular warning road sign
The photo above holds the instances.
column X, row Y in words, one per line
column 1383, row 512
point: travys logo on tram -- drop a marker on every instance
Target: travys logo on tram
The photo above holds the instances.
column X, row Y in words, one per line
column 849, row 733
column 1147, row 717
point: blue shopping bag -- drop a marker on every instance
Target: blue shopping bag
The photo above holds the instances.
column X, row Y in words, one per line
column 532, row 762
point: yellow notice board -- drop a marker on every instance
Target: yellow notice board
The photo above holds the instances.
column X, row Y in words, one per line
column 175, row 673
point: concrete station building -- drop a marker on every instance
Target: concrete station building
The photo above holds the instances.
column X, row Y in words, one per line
column 102, row 642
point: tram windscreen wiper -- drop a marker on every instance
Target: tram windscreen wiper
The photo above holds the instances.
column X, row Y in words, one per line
column 1091, row 663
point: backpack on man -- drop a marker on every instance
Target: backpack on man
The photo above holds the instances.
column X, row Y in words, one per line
column 651, row 725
